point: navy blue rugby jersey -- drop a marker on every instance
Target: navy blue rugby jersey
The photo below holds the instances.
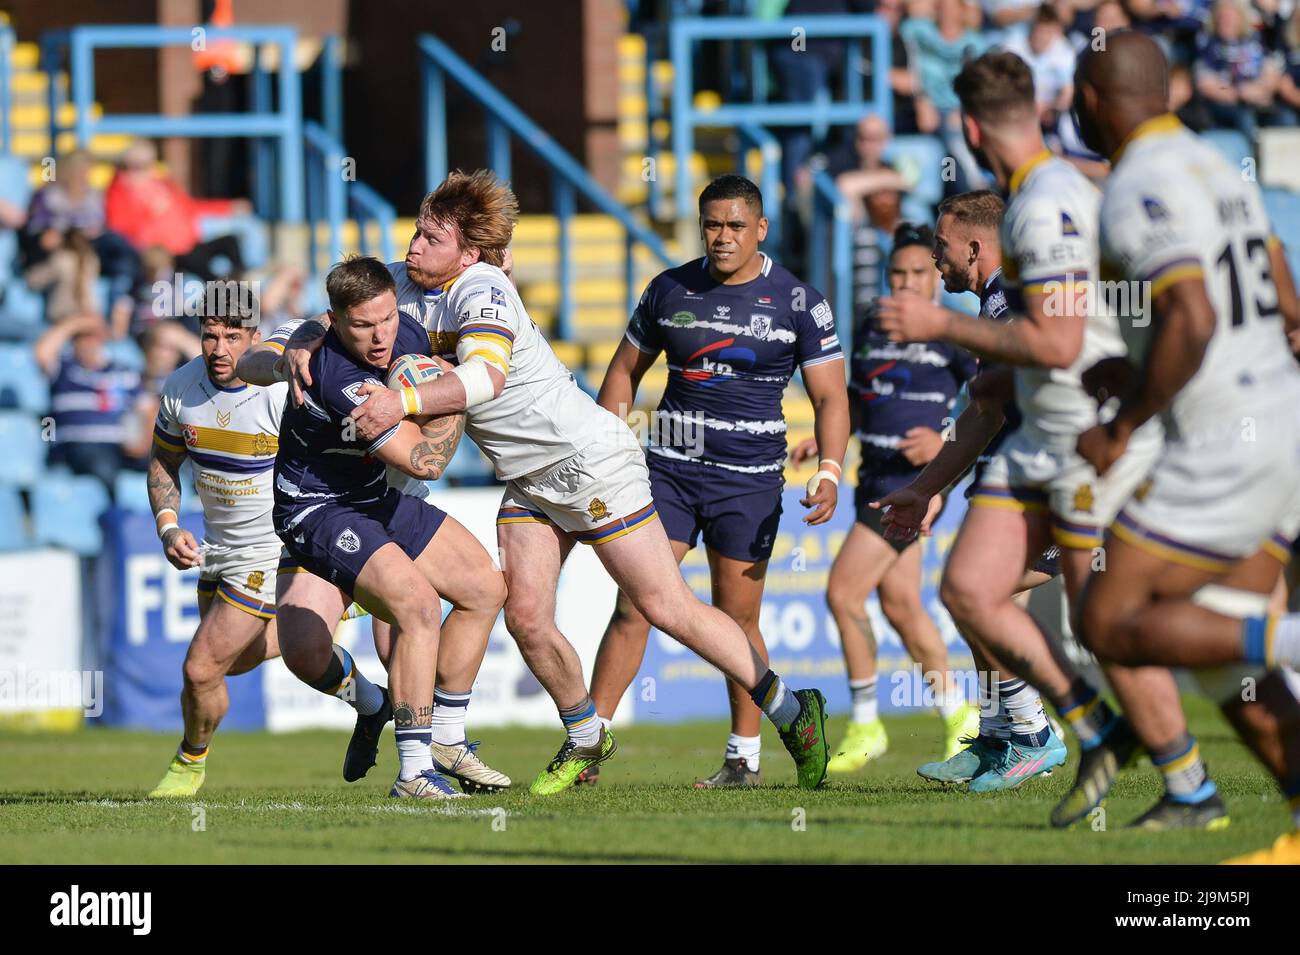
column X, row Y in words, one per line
column 731, row 350
column 315, row 464
column 994, row 306
column 897, row 386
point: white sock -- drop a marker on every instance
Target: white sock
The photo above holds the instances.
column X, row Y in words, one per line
column 746, row 748
column 607, row 723
column 355, row 690
column 865, row 704
column 994, row 722
column 581, row 723
column 449, row 709
column 1286, row 639
column 776, row 700
column 413, row 751
column 1024, row 707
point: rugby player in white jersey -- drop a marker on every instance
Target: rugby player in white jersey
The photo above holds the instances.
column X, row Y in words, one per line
column 573, row 472
column 1193, row 556
column 230, row 432
column 1037, row 489
column 462, row 642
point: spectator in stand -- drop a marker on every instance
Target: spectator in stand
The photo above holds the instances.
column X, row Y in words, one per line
column 938, row 48
column 902, row 79
column 1006, row 19
column 881, row 212
column 865, row 170
column 1288, row 87
column 150, row 208
column 806, row 68
column 1051, row 60
column 65, row 228
column 96, row 402
column 1174, row 24
column 1234, row 74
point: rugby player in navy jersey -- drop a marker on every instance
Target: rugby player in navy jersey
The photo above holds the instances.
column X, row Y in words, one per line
column 968, row 254
column 394, row 554
column 900, row 399
column 734, row 326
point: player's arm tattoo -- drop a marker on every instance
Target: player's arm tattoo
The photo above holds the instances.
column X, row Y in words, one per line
column 164, row 481
column 431, row 456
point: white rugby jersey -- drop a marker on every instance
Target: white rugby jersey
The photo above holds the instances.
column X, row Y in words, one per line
column 231, row 435
column 1174, row 208
column 541, row 416
column 1049, row 238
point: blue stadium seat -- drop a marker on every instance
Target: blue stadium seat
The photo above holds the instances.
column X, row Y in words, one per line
column 13, row 521
column 919, row 160
column 22, row 384
column 252, row 233
column 1283, row 208
column 1232, row 144
column 65, row 513
column 14, row 186
column 22, row 311
column 23, row 459
column 131, row 491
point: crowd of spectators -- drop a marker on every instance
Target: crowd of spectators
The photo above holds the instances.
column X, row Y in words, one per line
column 106, row 264
column 1235, row 64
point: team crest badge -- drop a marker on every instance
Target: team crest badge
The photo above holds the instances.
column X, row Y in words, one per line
column 1083, row 500
column 760, row 325
column 348, row 541
column 223, row 418
column 255, row 581
column 261, row 444
column 597, row 509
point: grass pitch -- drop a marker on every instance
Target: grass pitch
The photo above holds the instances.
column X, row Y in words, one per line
column 281, row 799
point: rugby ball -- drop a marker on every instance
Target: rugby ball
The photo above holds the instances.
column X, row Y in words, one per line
column 409, row 370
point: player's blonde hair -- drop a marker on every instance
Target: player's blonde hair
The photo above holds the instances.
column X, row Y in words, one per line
column 480, row 207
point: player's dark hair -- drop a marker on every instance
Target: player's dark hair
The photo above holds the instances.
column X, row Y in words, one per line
column 229, row 321
column 732, row 186
column 995, row 85
column 981, row 209
column 355, row 281
column 908, row 233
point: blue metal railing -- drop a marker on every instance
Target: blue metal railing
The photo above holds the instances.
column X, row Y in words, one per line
column 832, row 222
column 569, row 179
column 332, row 197
column 6, row 87
column 282, row 124
column 685, row 33
column 767, row 175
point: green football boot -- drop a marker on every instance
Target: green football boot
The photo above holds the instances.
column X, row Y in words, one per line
column 182, row 780
column 569, row 763
column 805, row 739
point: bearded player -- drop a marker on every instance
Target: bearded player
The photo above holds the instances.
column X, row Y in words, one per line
column 1036, row 489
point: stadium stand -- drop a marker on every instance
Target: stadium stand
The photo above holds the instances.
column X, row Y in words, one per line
column 573, row 263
